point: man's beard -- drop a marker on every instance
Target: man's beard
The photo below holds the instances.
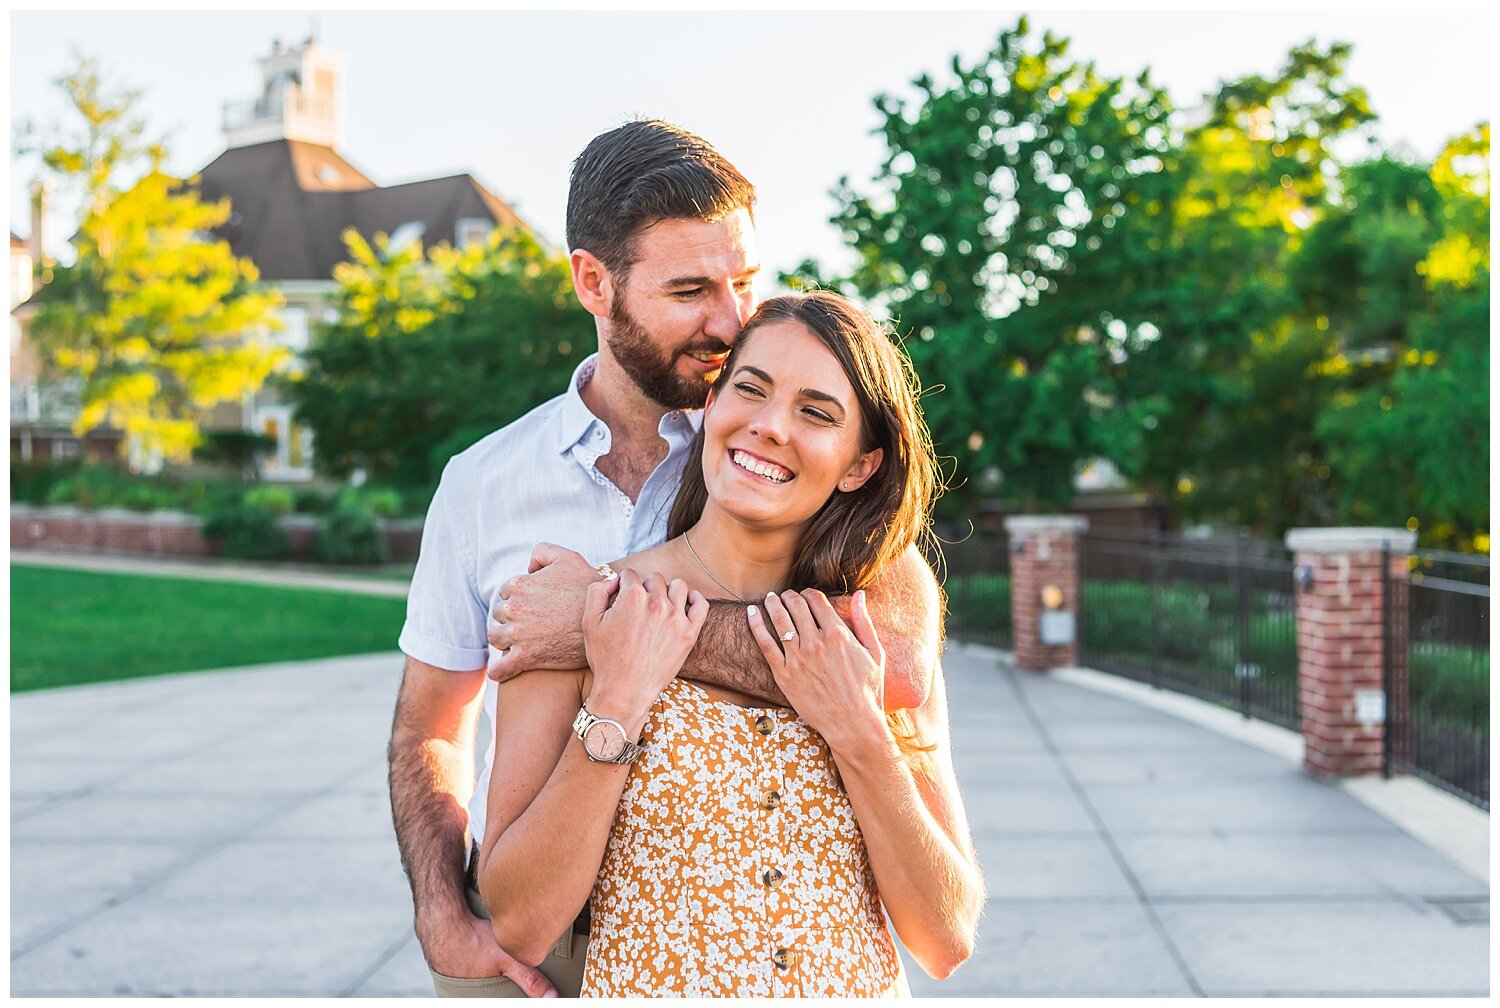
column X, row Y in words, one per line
column 653, row 372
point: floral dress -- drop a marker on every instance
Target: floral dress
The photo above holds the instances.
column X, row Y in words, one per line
column 735, row 867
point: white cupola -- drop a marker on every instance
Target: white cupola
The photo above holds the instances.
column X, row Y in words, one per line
column 299, row 99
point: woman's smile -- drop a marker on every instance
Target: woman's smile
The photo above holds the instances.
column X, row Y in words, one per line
column 763, row 468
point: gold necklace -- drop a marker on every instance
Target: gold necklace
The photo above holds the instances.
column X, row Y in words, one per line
column 710, row 573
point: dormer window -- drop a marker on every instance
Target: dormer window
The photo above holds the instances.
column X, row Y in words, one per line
column 406, row 234
column 471, row 231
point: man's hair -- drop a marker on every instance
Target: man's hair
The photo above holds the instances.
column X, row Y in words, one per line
column 640, row 173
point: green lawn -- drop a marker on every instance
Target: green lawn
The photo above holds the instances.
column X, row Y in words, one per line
column 69, row 627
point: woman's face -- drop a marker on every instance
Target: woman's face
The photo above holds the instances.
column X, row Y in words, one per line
column 784, row 431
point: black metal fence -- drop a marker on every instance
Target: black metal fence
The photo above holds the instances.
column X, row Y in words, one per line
column 1438, row 617
column 1214, row 618
column 1217, row 618
column 977, row 587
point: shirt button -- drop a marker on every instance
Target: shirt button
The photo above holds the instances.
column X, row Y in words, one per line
column 770, row 800
column 765, row 725
column 773, row 878
column 782, row 958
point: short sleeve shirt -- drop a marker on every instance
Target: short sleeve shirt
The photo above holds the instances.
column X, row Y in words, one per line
column 532, row 481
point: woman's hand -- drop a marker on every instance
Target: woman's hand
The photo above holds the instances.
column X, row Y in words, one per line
column 637, row 645
column 832, row 674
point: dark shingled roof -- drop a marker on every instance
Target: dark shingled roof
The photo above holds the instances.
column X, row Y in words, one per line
column 291, row 202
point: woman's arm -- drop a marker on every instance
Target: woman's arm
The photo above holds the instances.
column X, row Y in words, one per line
column 913, row 823
column 550, row 806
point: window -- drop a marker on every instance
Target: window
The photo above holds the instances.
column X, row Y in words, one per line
column 292, row 459
column 471, row 231
column 407, row 233
column 294, row 336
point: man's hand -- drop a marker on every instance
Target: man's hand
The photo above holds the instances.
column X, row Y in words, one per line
column 469, row 951
column 539, row 615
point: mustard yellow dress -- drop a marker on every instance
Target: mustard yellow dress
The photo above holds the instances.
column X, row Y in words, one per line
column 735, row 866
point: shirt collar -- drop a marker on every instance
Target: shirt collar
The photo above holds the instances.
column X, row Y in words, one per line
column 576, row 423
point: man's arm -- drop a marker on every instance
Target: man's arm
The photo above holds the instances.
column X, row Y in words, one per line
column 431, row 758
column 539, row 625
column 907, row 612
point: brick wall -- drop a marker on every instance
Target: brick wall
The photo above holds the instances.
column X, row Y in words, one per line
column 66, row 529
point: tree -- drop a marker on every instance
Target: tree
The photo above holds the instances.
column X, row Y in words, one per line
column 429, row 353
column 1410, row 440
column 1233, row 384
column 160, row 322
column 992, row 234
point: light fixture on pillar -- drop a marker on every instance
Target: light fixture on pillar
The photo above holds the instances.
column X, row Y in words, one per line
column 1056, row 626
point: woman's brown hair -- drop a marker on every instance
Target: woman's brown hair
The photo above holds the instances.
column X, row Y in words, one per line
column 856, row 533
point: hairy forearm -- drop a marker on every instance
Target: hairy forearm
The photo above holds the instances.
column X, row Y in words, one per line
column 427, row 776
column 929, row 883
column 535, row 885
column 727, row 656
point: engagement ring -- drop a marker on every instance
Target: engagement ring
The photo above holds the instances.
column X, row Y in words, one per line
column 788, row 635
column 606, row 571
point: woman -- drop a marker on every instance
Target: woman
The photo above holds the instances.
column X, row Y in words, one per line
column 730, row 850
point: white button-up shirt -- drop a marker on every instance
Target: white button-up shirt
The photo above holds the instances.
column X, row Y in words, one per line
column 532, row 481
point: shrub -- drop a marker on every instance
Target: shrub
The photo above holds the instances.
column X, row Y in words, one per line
column 144, row 496
column 979, row 603
column 248, row 533
column 315, row 501
column 351, row 536
column 381, row 502
column 30, row 482
column 275, row 499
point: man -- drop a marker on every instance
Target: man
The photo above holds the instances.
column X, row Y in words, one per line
column 663, row 256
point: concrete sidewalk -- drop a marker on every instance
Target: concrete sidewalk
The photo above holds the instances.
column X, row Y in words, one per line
column 228, row 833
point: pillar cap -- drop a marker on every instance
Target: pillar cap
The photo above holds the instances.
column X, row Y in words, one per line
column 1045, row 523
column 1350, row 540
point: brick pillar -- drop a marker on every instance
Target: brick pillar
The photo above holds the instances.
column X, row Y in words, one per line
column 1341, row 643
column 1043, row 552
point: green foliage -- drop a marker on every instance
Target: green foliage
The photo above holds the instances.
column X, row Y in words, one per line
column 979, row 607
column 277, row 500
column 350, row 535
column 987, row 235
column 247, row 532
column 430, row 353
column 381, row 502
column 155, row 319
column 31, row 482
column 239, row 449
column 177, row 625
column 1248, row 328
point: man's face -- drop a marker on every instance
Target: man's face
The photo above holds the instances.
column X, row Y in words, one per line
column 674, row 319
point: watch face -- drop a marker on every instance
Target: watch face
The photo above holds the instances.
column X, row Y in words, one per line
column 604, row 741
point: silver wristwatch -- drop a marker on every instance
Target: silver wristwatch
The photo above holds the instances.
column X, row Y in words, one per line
column 604, row 739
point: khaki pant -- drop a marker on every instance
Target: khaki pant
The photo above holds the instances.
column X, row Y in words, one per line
column 563, row 966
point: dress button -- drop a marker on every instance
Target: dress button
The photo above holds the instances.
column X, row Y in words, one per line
column 773, row 878
column 770, row 800
column 765, row 724
column 782, row 958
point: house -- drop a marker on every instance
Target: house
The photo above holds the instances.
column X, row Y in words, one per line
column 292, row 196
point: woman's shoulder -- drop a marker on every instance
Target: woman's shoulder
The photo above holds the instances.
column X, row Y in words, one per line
column 661, row 559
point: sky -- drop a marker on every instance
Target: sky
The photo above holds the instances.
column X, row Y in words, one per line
column 513, row 97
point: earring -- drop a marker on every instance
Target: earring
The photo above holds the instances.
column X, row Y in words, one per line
column 843, row 486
